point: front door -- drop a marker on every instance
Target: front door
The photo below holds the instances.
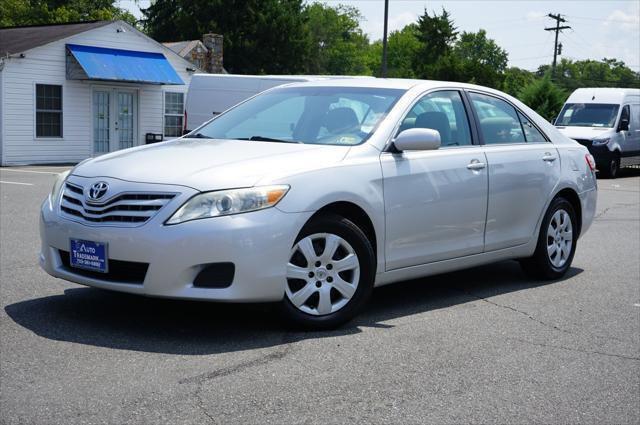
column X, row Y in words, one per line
column 435, row 201
column 114, row 119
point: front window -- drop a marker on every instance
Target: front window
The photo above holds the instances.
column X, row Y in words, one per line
column 315, row 115
column 48, row 110
column 588, row 115
column 442, row 111
column 173, row 114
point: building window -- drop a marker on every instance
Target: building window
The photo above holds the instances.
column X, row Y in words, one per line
column 48, row 110
column 173, row 114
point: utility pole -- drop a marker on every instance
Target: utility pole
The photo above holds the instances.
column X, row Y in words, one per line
column 383, row 71
column 557, row 51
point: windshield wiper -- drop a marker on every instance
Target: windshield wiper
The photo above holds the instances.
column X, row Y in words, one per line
column 199, row 136
column 269, row 139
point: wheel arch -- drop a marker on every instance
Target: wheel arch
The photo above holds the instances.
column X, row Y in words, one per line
column 572, row 197
column 354, row 213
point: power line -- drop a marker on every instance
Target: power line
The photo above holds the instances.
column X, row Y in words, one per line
column 620, row 21
column 558, row 18
column 531, row 58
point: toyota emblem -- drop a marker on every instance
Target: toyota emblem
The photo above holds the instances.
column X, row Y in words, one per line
column 98, row 190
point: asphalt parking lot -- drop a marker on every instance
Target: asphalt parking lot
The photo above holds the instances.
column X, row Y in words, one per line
column 486, row 345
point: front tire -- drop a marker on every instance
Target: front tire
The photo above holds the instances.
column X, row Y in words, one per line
column 611, row 170
column 330, row 274
column 556, row 242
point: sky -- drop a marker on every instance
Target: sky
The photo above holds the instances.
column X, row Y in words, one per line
column 599, row 28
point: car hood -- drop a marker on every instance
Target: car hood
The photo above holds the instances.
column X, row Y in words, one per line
column 585, row 133
column 210, row 164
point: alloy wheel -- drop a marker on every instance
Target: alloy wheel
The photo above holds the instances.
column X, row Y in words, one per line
column 559, row 238
column 322, row 274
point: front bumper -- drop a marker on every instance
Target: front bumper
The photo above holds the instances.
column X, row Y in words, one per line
column 601, row 153
column 258, row 243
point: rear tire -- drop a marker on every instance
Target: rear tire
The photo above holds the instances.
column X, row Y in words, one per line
column 556, row 242
column 330, row 274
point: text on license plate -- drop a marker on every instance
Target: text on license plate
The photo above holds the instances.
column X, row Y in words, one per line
column 89, row 255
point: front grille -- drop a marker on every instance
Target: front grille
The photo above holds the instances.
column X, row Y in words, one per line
column 119, row 271
column 125, row 208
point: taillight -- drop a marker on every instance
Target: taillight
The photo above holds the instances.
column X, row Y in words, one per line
column 590, row 162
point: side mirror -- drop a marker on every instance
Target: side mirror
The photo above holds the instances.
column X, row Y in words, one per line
column 417, row 139
column 624, row 124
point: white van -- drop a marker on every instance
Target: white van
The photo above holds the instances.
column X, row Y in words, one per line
column 607, row 122
column 212, row 94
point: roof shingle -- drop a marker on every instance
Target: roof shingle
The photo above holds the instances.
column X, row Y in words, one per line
column 20, row 39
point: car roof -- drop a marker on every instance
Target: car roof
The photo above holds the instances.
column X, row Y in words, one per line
column 390, row 83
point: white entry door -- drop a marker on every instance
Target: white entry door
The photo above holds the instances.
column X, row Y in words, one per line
column 114, row 119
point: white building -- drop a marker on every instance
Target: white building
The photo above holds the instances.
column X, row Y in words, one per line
column 73, row 91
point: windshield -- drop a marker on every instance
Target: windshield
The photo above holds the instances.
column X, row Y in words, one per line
column 588, row 115
column 316, row 115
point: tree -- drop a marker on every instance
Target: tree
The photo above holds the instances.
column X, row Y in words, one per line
column 571, row 75
column 481, row 59
column 337, row 43
column 544, row 97
column 260, row 36
column 514, row 79
column 436, row 34
column 403, row 48
column 25, row 12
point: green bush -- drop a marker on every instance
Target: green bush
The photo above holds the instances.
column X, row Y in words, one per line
column 544, row 97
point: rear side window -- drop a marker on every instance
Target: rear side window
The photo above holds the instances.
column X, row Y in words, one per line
column 442, row 111
column 531, row 133
column 499, row 122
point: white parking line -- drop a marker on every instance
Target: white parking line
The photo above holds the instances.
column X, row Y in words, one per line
column 29, row 171
column 23, row 184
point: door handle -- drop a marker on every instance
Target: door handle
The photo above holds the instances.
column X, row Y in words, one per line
column 549, row 157
column 476, row 165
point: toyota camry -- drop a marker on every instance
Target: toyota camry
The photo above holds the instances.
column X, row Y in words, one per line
column 312, row 194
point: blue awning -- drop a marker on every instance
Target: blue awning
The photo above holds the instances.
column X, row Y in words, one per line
column 99, row 63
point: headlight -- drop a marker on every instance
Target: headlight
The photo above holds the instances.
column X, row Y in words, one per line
column 227, row 202
column 57, row 187
column 600, row 142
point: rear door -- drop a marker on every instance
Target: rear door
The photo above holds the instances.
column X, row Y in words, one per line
column 435, row 201
column 523, row 169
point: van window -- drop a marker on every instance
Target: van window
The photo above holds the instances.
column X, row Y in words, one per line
column 626, row 114
column 588, row 115
column 634, row 124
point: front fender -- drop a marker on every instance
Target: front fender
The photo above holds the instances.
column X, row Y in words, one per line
column 357, row 180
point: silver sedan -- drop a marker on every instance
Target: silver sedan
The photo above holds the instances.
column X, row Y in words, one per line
column 314, row 193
